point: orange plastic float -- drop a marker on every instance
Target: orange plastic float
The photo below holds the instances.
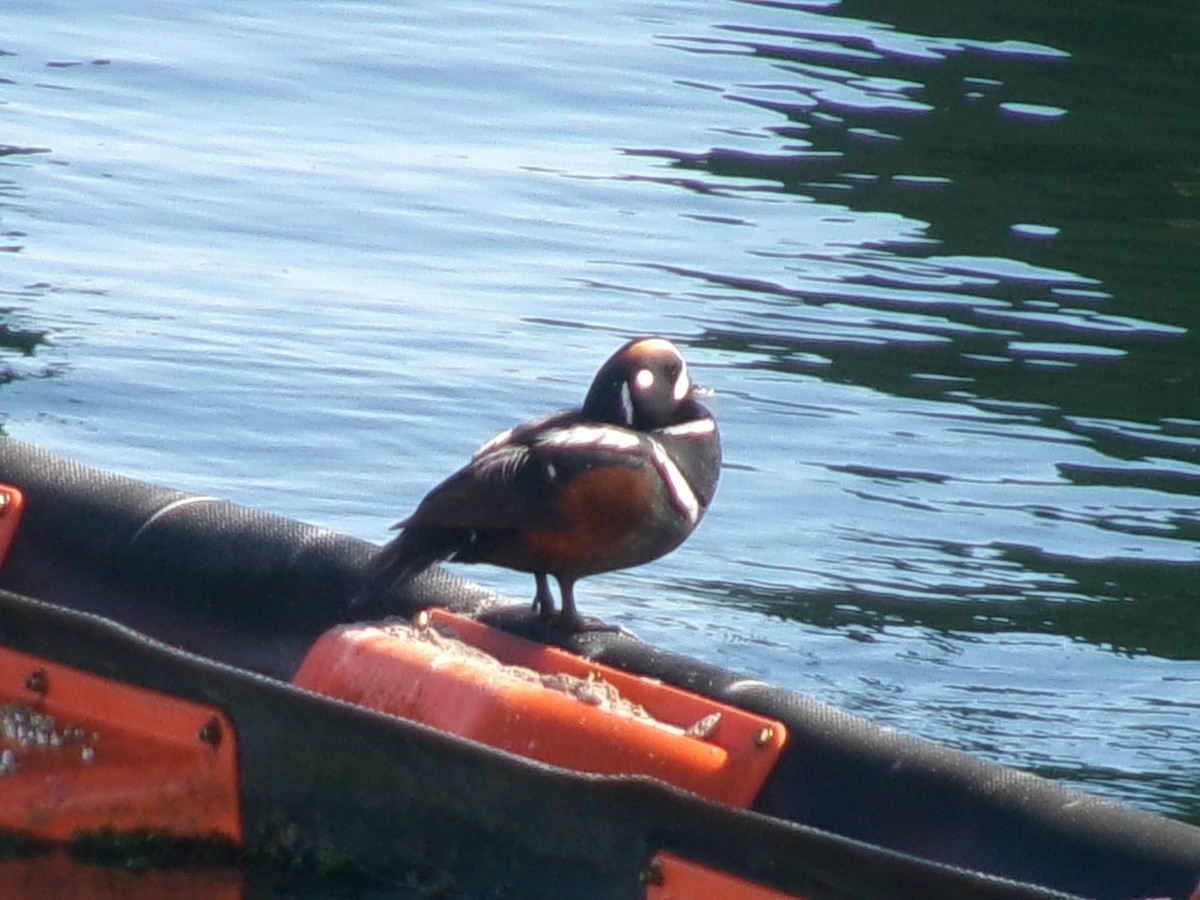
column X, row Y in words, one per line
column 671, row 877
column 563, row 712
column 79, row 752
column 12, row 501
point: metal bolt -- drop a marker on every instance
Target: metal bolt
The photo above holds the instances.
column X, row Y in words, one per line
column 764, row 737
column 211, row 733
column 37, row 682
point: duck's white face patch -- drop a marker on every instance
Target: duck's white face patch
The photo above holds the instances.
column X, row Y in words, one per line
column 644, row 379
column 683, row 384
column 626, row 400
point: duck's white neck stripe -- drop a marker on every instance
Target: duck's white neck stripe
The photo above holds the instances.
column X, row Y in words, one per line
column 694, row 428
column 682, row 495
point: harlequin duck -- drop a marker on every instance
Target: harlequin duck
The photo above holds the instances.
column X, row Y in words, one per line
column 617, row 483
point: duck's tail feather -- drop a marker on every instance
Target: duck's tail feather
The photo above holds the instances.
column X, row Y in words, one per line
column 409, row 554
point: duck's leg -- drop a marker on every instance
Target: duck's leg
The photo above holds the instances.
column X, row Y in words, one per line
column 543, row 600
column 568, row 619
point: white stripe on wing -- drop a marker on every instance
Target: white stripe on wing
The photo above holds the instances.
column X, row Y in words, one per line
column 582, row 436
column 681, row 492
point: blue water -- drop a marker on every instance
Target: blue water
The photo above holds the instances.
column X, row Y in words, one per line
column 939, row 268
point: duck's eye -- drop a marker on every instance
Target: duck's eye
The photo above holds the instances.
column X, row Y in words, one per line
column 644, row 379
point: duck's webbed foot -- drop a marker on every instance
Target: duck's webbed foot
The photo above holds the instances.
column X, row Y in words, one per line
column 569, row 621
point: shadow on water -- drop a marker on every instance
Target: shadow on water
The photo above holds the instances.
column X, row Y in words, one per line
column 1046, row 272
column 1125, row 606
column 19, row 344
column 1084, row 311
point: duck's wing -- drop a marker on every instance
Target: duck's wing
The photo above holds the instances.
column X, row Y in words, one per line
column 515, row 480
